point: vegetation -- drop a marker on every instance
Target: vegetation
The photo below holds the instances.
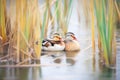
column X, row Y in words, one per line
column 103, row 13
column 27, row 25
column 105, row 20
column 24, row 24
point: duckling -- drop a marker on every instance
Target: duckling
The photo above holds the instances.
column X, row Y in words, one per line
column 54, row 44
column 71, row 43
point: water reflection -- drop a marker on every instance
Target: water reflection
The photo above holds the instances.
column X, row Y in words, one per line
column 59, row 57
column 94, row 62
column 31, row 73
column 58, row 60
column 34, row 73
column 79, row 68
column 70, row 57
column 53, row 58
column 72, row 53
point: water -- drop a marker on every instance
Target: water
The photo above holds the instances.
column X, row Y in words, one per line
column 118, row 56
column 82, row 67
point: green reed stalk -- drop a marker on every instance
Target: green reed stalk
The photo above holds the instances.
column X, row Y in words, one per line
column 105, row 21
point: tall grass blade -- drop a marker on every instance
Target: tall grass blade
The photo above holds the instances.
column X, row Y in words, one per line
column 3, row 20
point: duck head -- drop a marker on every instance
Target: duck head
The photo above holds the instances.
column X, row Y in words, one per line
column 70, row 36
column 57, row 37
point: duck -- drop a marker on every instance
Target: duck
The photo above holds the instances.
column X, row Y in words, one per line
column 71, row 42
column 54, row 44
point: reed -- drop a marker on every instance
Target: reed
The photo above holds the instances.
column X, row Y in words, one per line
column 25, row 28
column 92, row 26
column 68, row 6
column 105, row 20
column 117, row 8
column 3, row 36
column 63, row 14
column 26, row 25
column 36, row 29
column 86, row 9
column 3, row 20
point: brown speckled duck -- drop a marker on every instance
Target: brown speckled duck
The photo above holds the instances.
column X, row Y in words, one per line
column 71, row 43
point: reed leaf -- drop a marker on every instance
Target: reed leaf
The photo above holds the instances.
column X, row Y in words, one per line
column 57, row 8
column 70, row 8
column 3, row 20
column 104, row 14
column 92, row 26
column 117, row 8
column 43, row 25
column 18, row 34
column 36, row 29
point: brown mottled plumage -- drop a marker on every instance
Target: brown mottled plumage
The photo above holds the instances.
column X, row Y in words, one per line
column 71, row 43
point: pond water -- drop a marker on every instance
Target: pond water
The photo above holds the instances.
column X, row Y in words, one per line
column 81, row 65
column 74, row 66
